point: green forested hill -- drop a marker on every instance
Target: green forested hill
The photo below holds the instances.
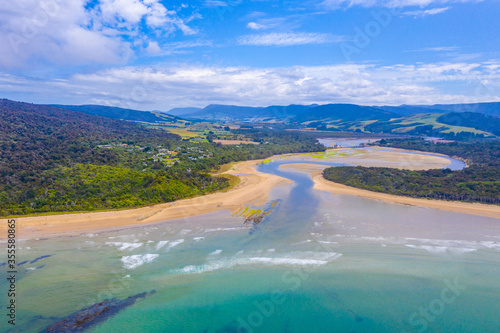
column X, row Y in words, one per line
column 56, row 160
column 472, row 119
column 122, row 114
column 479, row 182
column 37, row 137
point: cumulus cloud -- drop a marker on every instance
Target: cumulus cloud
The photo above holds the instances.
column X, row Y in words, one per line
column 75, row 32
column 153, row 48
column 255, row 26
column 287, row 39
column 166, row 87
column 335, row 4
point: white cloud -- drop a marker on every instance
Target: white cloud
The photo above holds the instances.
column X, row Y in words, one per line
column 437, row 49
column 335, row 4
column 255, row 26
column 287, row 39
column 215, row 3
column 69, row 32
column 153, row 48
column 427, row 12
column 166, row 87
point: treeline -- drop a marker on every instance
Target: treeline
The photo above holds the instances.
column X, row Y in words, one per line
column 271, row 143
column 472, row 119
column 435, row 184
column 53, row 160
column 424, row 130
column 480, row 182
column 479, row 152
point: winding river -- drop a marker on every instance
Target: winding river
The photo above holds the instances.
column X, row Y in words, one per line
column 316, row 263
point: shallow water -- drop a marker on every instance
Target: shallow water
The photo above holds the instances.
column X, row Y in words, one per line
column 317, row 263
column 350, row 143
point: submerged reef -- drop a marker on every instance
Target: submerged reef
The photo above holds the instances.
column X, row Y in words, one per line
column 94, row 314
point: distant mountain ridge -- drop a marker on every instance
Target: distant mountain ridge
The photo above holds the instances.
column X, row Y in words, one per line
column 342, row 112
column 291, row 113
column 489, row 109
column 181, row 111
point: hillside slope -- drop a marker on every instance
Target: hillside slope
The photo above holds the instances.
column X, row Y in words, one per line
column 121, row 114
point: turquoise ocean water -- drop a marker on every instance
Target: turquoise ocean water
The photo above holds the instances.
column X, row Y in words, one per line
column 317, row 263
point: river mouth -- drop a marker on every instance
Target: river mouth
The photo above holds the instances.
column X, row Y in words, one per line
column 315, row 263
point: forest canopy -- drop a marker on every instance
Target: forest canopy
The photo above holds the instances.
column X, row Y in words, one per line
column 55, row 160
column 480, row 182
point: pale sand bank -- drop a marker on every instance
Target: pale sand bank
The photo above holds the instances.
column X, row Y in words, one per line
column 390, row 158
column 322, row 184
column 253, row 189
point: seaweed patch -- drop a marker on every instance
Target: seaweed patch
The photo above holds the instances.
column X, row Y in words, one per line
column 94, row 314
column 255, row 216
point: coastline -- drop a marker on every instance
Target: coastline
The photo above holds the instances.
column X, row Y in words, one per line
column 253, row 189
column 322, row 184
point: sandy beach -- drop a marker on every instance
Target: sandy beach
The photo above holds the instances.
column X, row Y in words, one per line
column 322, row 184
column 253, row 189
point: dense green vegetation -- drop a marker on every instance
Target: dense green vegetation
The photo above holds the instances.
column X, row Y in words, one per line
column 480, row 182
column 471, row 119
column 55, row 160
column 448, row 126
column 122, row 114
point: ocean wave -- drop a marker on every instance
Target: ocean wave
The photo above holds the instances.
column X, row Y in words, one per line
column 290, row 259
column 161, row 244
column 432, row 245
column 122, row 246
column 223, row 229
column 216, row 252
column 175, row 243
column 132, row 262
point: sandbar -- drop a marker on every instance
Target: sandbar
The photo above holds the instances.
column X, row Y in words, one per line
column 253, row 189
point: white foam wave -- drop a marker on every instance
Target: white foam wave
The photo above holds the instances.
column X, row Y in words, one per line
column 122, row 246
column 442, row 249
column 216, row 252
column 175, row 243
column 197, row 239
column 291, row 259
column 161, row 244
column 302, row 242
column 431, row 245
column 132, row 262
column 223, row 229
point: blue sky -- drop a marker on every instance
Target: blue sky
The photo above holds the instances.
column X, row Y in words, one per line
column 155, row 55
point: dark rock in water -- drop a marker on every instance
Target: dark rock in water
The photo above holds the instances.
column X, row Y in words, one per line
column 232, row 327
column 39, row 258
column 94, row 314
